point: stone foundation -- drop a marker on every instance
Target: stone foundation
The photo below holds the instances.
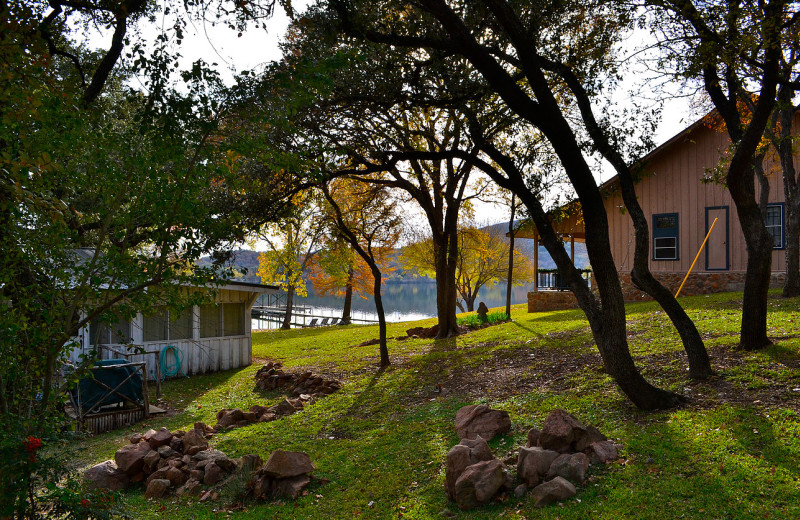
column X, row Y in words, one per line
column 697, row 283
column 543, row 301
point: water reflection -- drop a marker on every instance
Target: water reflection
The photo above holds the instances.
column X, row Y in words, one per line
column 404, row 302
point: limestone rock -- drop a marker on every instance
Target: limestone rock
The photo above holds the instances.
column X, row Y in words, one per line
column 552, row 491
column 106, row 475
column 570, row 466
column 130, row 458
column 157, row 488
column 285, row 464
column 461, row 456
column 533, row 464
column 479, row 483
column 474, row 420
column 560, row 430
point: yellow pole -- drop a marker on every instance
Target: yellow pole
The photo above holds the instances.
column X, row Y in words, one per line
column 698, row 256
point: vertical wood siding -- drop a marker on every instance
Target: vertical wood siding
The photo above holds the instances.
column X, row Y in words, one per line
column 672, row 183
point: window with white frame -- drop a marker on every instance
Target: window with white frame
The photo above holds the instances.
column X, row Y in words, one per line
column 167, row 325
column 665, row 236
column 773, row 220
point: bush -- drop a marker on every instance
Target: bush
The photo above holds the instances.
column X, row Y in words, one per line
column 474, row 321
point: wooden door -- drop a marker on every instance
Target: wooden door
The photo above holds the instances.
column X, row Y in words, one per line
column 717, row 247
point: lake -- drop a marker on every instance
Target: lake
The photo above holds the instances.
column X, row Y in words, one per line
column 406, row 301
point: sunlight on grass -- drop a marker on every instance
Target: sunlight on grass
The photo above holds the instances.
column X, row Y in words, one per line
column 383, row 438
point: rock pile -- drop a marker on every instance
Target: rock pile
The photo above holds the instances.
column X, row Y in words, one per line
column 272, row 377
column 555, row 459
column 183, row 462
column 229, row 418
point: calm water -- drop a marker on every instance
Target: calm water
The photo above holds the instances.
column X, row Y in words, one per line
column 404, row 302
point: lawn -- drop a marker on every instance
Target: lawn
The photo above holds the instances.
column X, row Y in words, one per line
column 379, row 444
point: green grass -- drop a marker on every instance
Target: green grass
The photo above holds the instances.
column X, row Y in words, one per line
column 732, row 453
column 475, row 321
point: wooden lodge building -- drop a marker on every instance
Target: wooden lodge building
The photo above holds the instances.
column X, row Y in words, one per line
column 206, row 338
column 680, row 204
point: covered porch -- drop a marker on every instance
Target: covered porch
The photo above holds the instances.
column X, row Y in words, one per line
column 550, row 292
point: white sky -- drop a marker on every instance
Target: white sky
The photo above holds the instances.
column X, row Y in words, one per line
column 255, row 47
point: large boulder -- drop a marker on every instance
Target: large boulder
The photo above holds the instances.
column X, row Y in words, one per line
column 570, row 466
column 130, row 458
column 552, row 491
column 533, row 464
column 560, row 430
column 286, row 464
column 106, row 475
column 478, row 419
column 479, row 483
column 461, row 456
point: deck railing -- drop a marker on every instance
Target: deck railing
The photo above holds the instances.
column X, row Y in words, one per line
column 550, row 280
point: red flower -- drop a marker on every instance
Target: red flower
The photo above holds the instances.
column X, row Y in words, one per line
column 32, row 444
column 85, row 502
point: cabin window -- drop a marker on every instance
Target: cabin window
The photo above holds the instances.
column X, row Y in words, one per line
column 167, row 325
column 210, row 324
column 113, row 333
column 665, row 236
column 773, row 220
column 233, row 319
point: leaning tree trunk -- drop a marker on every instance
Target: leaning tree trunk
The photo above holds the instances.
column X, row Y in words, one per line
column 287, row 316
column 511, row 255
column 791, row 286
column 348, row 299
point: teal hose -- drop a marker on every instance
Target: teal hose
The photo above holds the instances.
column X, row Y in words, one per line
column 175, row 368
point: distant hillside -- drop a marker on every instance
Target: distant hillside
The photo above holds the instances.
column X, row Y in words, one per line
column 245, row 261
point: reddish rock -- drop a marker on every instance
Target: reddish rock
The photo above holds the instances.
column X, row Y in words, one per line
column 212, row 474
column 589, row 437
column 167, row 452
column 570, row 466
column 130, row 458
column 533, row 437
column 227, row 417
column 479, row 483
column 552, row 491
column 261, row 485
column 159, row 474
column 136, row 438
column 176, row 444
column 158, row 438
column 267, row 417
column 191, row 488
column 217, row 457
column 106, row 475
column 196, row 474
column 533, row 464
column 157, row 488
column 285, row 464
column 194, row 440
column 290, row 487
column 560, row 430
column 475, row 420
column 602, row 452
column 460, row 457
column 151, row 462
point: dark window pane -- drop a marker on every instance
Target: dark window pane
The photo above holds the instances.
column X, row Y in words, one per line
column 181, row 328
column 155, row 327
column 666, row 222
column 209, row 321
column 233, row 319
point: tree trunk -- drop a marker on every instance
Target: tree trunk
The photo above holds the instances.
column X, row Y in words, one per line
column 348, row 299
column 376, row 295
column 446, row 250
column 470, row 301
column 759, row 242
column 287, row 316
column 511, row 255
column 791, row 286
